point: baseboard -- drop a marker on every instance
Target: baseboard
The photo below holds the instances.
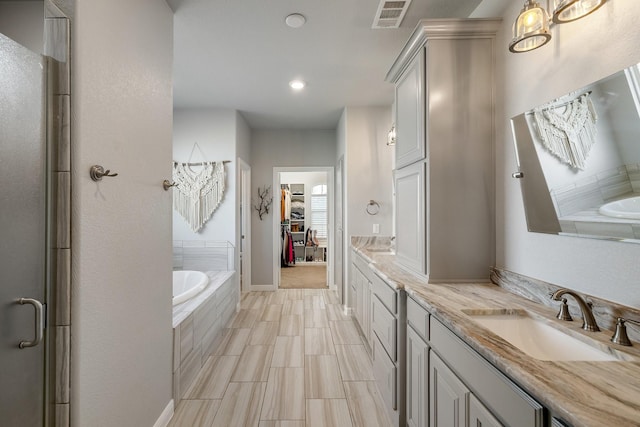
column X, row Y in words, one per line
column 166, row 415
column 262, row 288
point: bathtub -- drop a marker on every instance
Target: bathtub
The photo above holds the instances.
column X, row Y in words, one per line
column 628, row 208
column 187, row 284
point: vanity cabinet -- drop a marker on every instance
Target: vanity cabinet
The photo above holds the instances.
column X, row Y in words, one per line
column 409, row 119
column 362, row 295
column 417, row 378
column 447, row 396
column 444, row 80
column 388, row 341
column 492, row 398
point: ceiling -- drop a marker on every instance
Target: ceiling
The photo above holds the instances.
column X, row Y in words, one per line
column 239, row 54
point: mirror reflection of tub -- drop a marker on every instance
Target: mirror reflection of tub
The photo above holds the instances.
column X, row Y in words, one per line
column 579, row 156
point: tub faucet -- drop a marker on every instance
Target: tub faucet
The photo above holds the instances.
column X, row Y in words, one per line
column 589, row 322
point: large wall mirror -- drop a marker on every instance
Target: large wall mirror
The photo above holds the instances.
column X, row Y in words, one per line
column 579, row 160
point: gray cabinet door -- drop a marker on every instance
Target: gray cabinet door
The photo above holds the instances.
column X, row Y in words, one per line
column 410, row 185
column 447, row 395
column 417, row 380
column 410, row 113
column 479, row 415
column 23, row 230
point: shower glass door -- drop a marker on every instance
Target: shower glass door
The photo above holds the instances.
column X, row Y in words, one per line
column 23, row 227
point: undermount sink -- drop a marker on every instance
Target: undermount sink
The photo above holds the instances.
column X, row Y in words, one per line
column 537, row 338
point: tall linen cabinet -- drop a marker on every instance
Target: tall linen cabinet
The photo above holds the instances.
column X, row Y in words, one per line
column 445, row 131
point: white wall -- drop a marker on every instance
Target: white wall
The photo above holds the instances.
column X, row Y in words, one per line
column 280, row 148
column 579, row 53
column 214, row 129
column 121, row 341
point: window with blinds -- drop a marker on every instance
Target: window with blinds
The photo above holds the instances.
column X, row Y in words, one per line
column 319, row 211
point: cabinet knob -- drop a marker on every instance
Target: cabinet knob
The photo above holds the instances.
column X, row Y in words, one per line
column 518, row 175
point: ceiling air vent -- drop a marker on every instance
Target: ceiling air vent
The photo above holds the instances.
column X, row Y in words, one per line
column 390, row 14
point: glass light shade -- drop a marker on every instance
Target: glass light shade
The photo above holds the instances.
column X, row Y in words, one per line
column 391, row 136
column 570, row 10
column 531, row 28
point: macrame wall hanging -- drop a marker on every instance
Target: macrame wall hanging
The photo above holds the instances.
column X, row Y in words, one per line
column 568, row 130
column 198, row 190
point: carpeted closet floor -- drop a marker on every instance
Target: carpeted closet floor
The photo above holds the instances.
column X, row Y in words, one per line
column 304, row 276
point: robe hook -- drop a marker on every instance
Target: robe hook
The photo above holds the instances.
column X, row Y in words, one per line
column 96, row 172
column 166, row 184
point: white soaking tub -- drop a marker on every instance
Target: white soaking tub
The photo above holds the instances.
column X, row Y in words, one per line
column 187, row 284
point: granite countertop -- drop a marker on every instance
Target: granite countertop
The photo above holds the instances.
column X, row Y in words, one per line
column 581, row 393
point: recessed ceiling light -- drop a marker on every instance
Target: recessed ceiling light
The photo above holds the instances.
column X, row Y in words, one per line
column 297, row 84
column 295, row 20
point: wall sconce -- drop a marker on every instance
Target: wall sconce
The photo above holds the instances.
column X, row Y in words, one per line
column 391, row 136
column 531, row 27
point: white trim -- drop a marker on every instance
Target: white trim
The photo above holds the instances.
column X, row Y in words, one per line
column 262, row 288
column 165, row 416
column 244, row 169
column 330, row 170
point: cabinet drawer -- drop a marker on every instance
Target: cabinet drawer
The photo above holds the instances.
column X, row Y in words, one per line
column 418, row 318
column 384, row 324
column 387, row 295
column 384, row 371
column 509, row 403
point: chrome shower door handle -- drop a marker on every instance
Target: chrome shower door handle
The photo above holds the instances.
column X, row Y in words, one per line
column 39, row 329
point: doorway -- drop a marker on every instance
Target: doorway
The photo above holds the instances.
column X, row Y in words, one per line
column 302, row 228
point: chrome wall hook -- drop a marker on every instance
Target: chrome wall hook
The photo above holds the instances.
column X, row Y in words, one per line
column 96, row 172
column 166, row 184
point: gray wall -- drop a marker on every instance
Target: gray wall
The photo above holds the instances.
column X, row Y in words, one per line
column 22, row 21
column 580, row 53
column 368, row 174
column 284, row 148
column 121, row 310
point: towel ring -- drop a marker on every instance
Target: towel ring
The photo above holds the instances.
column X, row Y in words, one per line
column 373, row 207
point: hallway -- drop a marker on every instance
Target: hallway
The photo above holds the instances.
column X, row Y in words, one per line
column 289, row 358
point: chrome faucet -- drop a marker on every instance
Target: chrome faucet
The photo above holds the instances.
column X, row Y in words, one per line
column 589, row 322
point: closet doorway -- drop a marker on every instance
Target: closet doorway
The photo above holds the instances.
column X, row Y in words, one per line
column 303, row 232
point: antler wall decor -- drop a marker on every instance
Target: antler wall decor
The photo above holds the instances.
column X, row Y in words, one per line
column 265, row 201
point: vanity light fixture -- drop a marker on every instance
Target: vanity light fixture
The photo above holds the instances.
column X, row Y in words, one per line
column 531, row 27
column 570, row 10
column 297, row 84
column 391, row 136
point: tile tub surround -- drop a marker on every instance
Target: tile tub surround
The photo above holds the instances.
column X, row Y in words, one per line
column 203, row 255
column 581, row 393
column 197, row 324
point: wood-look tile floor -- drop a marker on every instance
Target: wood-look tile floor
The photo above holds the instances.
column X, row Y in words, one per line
column 289, row 358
